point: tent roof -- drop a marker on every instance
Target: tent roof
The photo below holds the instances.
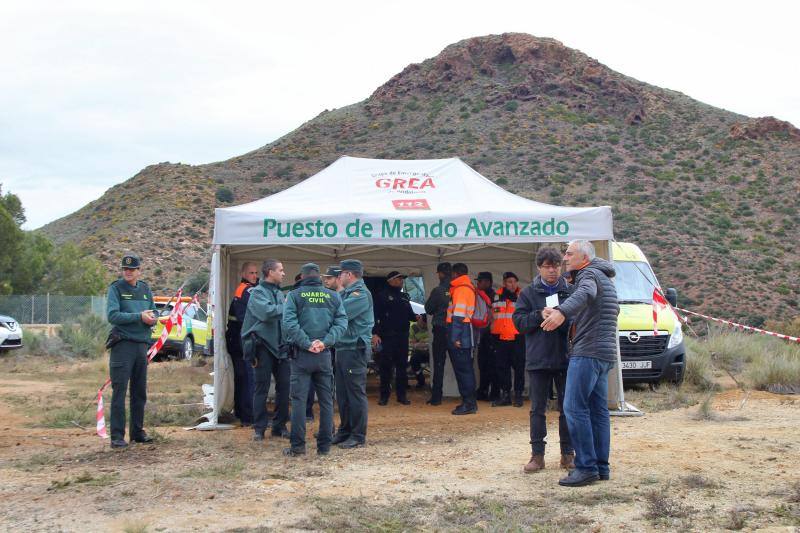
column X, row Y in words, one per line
column 391, row 194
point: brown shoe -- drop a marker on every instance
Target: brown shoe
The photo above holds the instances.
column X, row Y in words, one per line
column 536, row 464
column 568, row 461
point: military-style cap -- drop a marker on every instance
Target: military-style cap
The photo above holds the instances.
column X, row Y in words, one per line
column 130, row 261
column 309, row 269
column 332, row 272
column 444, row 268
column 352, row 265
column 507, row 275
column 485, row 275
column 395, row 274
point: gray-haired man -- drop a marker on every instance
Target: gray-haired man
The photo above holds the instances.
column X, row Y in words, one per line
column 593, row 310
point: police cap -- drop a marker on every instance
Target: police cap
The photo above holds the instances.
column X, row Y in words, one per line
column 352, row 265
column 395, row 274
column 332, row 272
column 309, row 269
column 130, row 261
column 485, row 275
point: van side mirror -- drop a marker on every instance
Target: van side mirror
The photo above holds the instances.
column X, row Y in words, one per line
column 672, row 297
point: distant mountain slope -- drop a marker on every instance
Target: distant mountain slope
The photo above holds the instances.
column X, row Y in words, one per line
column 711, row 196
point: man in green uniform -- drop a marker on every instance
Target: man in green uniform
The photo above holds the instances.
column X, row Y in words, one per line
column 130, row 310
column 313, row 320
column 261, row 347
column 352, row 355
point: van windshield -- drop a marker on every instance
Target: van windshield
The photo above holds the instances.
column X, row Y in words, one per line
column 634, row 281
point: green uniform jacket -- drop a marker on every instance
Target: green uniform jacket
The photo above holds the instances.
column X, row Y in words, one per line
column 357, row 301
column 124, row 306
column 438, row 302
column 313, row 312
column 262, row 320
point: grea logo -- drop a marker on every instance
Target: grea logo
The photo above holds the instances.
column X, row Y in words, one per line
column 405, row 184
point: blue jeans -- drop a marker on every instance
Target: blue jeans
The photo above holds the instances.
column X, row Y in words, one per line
column 586, row 408
column 461, row 359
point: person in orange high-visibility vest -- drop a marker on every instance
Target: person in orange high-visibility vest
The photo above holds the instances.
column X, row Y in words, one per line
column 459, row 318
column 509, row 345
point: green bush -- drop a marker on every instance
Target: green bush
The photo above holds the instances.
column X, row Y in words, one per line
column 86, row 338
column 224, row 195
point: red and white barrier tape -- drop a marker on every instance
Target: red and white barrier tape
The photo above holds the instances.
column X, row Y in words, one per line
column 736, row 325
column 175, row 318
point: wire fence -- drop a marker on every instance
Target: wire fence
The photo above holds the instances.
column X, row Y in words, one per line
column 50, row 308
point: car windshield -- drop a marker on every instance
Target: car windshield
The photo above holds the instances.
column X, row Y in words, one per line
column 634, row 281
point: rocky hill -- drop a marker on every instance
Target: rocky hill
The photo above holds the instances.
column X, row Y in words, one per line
column 711, row 196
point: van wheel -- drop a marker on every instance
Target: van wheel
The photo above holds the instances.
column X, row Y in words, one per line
column 188, row 348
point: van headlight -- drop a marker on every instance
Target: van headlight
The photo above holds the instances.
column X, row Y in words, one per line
column 676, row 338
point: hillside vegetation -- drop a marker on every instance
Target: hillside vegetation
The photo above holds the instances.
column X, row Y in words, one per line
column 709, row 195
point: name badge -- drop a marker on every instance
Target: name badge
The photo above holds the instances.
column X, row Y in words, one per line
column 552, row 300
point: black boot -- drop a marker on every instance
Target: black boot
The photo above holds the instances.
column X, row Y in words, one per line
column 503, row 399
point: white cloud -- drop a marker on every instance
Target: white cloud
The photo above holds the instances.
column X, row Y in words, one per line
column 94, row 91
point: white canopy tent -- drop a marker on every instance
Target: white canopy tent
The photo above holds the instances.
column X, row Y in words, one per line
column 405, row 215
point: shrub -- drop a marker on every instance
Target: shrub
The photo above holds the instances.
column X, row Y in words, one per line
column 87, row 338
column 699, row 370
column 224, row 195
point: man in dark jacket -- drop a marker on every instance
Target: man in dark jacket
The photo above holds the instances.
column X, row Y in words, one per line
column 545, row 355
column 261, row 346
column 352, row 356
column 592, row 309
column 313, row 320
column 436, row 306
column 393, row 314
column 242, row 376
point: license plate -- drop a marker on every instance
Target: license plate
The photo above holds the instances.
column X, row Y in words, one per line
column 636, row 365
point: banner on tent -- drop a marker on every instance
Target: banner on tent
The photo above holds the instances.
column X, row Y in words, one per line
column 399, row 229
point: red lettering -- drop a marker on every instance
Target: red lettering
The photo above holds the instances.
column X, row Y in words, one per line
column 404, row 184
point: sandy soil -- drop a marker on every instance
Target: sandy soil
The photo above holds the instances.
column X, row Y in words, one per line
column 744, row 463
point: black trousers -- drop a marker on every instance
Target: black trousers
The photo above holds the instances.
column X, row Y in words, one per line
column 351, row 392
column 128, row 365
column 510, row 355
column 269, row 365
column 307, row 368
column 392, row 361
column 539, row 390
column 486, row 366
column 243, row 388
column 439, row 357
column 418, row 357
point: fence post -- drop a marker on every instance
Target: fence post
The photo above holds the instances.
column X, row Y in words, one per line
column 33, row 306
column 48, row 309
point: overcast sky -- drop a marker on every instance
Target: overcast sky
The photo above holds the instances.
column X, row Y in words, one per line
column 92, row 92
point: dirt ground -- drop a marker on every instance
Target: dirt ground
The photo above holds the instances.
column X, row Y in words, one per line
column 422, row 469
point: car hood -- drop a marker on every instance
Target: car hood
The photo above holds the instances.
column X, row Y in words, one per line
column 6, row 318
column 639, row 317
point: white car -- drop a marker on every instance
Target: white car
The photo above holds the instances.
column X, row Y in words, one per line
column 10, row 333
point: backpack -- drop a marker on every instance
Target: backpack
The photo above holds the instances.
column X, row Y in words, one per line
column 483, row 310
